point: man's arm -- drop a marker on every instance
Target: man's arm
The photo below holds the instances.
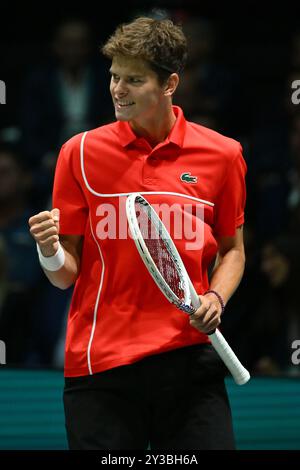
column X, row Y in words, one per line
column 229, row 267
column 44, row 227
column 67, row 275
column 226, row 276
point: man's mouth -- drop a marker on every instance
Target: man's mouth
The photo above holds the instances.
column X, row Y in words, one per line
column 124, row 104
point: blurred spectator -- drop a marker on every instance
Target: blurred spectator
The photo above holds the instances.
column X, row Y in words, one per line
column 47, row 327
column 214, row 85
column 279, row 322
column 32, row 311
column 21, row 275
column 14, row 213
column 274, row 169
column 269, row 164
column 262, row 318
column 67, row 95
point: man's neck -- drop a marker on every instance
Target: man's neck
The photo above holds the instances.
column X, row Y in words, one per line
column 156, row 130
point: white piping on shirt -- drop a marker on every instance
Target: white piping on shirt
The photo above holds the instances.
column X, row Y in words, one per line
column 127, row 194
column 96, row 304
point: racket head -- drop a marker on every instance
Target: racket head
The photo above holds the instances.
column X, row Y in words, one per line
column 159, row 253
column 188, row 301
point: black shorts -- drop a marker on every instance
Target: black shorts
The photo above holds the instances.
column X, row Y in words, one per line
column 170, row 401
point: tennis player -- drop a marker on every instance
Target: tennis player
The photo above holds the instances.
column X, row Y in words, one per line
column 139, row 372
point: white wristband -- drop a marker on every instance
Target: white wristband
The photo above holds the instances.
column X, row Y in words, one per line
column 52, row 263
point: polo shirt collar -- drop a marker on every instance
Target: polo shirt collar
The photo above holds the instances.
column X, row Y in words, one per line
column 176, row 136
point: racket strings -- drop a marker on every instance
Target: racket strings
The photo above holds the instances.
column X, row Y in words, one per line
column 159, row 252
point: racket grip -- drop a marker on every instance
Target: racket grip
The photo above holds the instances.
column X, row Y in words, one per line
column 238, row 371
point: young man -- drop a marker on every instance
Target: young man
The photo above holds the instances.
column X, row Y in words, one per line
column 138, row 370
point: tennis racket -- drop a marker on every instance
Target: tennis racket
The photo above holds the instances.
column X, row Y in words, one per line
column 164, row 263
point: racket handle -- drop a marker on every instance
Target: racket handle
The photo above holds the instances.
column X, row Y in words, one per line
column 238, row 371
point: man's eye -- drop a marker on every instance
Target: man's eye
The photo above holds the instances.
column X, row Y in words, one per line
column 115, row 77
column 135, row 80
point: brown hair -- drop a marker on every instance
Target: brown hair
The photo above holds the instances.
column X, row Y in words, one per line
column 161, row 43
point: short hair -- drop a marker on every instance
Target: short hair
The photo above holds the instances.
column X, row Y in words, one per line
column 159, row 42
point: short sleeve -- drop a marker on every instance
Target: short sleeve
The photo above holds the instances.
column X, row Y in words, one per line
column 231, row 200
column 68, row 195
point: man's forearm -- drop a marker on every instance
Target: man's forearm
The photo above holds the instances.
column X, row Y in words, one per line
column 67, row 275
column 227, row 273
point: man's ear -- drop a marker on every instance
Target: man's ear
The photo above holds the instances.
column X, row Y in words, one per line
column 171, row 84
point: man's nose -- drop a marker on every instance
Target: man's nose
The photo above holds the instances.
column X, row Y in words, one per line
column 121, row 87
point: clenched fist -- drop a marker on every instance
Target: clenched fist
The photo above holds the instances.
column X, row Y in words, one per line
column 44, row 227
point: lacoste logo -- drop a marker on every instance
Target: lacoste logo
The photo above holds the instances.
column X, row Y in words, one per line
column 188, row 178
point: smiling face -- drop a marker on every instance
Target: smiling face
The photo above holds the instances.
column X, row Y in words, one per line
column 136, row 92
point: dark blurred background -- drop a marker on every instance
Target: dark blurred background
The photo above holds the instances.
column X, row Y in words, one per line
column 238, row 81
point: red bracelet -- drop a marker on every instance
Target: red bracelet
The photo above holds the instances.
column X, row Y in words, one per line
column 219, row 298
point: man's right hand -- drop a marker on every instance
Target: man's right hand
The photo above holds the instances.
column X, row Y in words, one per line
column 44, row 227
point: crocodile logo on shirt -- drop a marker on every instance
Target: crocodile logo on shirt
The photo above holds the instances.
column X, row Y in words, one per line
column 188, row 178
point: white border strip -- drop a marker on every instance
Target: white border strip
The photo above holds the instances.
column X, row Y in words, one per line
column 127, row 194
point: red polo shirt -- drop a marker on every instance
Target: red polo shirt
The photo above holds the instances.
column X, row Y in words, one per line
column 118, row 315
